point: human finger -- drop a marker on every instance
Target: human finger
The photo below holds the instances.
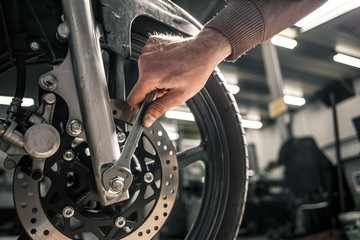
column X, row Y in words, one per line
column 139, row 93
column 161, row 105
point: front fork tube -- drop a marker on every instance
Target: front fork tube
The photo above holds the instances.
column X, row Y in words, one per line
column 92, row 89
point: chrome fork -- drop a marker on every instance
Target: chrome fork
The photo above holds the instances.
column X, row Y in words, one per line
column 92, row 90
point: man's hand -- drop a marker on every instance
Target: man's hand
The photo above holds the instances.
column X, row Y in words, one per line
column 178, row 68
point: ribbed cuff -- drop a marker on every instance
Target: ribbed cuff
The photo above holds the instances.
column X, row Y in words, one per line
column 241, row 23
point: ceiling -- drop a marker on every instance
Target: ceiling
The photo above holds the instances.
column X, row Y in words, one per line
column 309, row 67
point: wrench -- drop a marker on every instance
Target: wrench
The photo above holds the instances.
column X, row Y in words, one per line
column 119, row 175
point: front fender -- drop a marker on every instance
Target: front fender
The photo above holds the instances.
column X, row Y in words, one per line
column 119, row 15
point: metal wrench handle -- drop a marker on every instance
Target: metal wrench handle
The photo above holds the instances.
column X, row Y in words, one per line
column 118, row 178
column 135, row 133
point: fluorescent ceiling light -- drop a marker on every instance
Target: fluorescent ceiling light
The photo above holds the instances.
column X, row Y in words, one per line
column 173, row 136
column 251, row 124
column 293, row 90
column 347, row 49
column 234, row 89
column 284, row 42
column 6, row 100
column 348, row 60
column 185, row 116
column 292, row 100
column 330, row 10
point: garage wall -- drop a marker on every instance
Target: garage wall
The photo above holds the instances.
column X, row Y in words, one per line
column 314, row 119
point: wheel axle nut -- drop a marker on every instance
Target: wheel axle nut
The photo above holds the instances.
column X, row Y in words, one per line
column 68, row 212
column 120, row 222
column 117, row 184
column 74, row 128
column 148, row 177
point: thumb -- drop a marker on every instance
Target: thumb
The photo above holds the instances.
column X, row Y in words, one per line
column 160, row 106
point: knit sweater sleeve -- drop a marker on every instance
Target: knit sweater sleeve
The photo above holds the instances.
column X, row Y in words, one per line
column 246, row 23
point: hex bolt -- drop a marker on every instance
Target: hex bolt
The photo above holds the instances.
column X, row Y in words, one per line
column 121, row 137
column 74, row 127
column 69, row 155
column 120, row 222
column 48, row 82
column 148, row 177
column 68, row 212
column 117, row 184
column 34, row 46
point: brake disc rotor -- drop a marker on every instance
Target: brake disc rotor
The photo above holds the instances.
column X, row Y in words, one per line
column 64, row 204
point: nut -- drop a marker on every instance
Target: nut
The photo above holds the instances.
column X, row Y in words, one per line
column 117, row 184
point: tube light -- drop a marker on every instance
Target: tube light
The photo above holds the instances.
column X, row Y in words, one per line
column 330, row 10
column 173, row 136
column 233, row 89
column 251, row 124
column 348, row 60
column 6, row 100
column 292, row 100
column 284, row 42
column 185, row 116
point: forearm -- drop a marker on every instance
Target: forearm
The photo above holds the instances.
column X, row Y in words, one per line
column 246, row 23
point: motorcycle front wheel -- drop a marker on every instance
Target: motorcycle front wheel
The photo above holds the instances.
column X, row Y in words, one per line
column 223, row 152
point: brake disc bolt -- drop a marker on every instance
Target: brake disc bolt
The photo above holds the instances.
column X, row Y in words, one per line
column 148, row 177
column 69, row 155
column 48, row 82
column 120, row 222
column 34, row 46
column 117, row 184
column 121, row 137
column 68, row 212
column 75, row 127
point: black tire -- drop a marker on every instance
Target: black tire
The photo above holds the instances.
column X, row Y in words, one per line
column 235, row 135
